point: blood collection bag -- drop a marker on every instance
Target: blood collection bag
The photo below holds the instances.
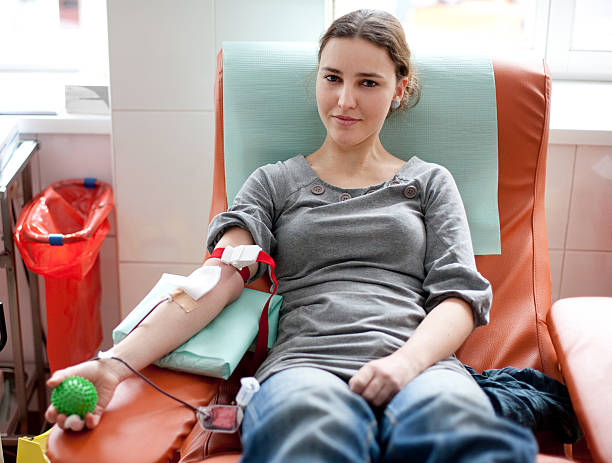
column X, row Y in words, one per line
column 228, row 418
column 220, row 418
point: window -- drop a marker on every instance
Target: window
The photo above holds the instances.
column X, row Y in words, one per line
column 54, row 36
column 575, row 37
column 580, row 39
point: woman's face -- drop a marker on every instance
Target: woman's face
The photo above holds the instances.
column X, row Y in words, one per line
column 356, row 84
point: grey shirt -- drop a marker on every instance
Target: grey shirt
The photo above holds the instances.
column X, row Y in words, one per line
column 359, row 268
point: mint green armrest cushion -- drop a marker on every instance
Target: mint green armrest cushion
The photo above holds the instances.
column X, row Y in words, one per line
column 218, row 348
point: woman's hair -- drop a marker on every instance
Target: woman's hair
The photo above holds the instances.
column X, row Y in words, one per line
column 384, row 30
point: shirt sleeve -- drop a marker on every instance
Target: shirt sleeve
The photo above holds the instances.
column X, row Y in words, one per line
column 253, row 210
column 450, row 268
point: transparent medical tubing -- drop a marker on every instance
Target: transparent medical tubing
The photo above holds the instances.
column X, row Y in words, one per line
column 215, row 418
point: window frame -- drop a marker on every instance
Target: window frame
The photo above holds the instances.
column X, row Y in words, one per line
column 568, row 64
column 553, row 18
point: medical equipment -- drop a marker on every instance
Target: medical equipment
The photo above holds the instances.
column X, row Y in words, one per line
column 240, row 256
column 189, row 290
column 215, row 418
column 227, row 418
column 199, row 283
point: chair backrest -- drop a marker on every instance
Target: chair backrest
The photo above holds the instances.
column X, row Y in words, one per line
column 520, row 276
column 270, row 114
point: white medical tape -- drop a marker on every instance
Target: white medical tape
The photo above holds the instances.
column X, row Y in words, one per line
column 240, row 256
column 106, row 354
column 196, row 285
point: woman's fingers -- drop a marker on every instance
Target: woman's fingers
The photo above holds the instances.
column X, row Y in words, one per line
column 368, row 382
column 70, row 422
column 51, row 414
column 359, row 382
column 378, row 381
column 91, row 420
column 74, row 423
column 82, row 369
column 372, row 391
column 61, row 420
column 385, row 394
column 57, row 378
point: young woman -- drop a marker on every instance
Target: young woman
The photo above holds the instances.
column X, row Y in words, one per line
column 374, row 260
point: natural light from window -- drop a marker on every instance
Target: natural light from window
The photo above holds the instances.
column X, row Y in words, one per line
column 592, row 29
column 54, row 36
column 475, row 25
column 573, row 36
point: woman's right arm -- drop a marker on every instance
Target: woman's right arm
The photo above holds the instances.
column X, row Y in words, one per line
column 166, row 328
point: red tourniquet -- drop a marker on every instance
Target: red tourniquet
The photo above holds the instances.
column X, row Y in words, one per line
column 261, row 346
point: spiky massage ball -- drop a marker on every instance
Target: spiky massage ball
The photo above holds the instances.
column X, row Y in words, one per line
column 75, row 396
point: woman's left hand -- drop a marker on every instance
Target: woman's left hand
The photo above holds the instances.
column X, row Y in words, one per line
column 379, row 380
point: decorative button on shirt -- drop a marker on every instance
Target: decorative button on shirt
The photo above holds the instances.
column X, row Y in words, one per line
column 410, row 191
column 345, row 196
column 317, row 190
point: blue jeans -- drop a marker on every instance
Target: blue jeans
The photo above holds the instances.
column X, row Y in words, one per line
column 310, row 415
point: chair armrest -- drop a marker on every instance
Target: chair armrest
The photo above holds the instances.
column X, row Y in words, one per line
column 140, row 424
column 580, row 329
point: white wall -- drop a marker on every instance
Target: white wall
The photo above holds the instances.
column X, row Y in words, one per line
column 579, row 220
column 162, row 71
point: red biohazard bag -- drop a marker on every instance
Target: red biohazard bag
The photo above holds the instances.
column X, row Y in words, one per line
column 59, row 234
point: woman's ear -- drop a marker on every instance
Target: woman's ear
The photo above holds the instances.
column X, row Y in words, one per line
column 401, row 88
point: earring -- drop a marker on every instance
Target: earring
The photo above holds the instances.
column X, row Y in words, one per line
column 395, row 104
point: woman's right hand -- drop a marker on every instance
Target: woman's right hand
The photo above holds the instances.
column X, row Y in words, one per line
column 105, row 376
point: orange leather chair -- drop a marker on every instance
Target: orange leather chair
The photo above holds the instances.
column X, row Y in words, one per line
column 567, row 342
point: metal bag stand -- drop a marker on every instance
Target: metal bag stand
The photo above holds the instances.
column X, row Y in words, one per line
column 27, row 380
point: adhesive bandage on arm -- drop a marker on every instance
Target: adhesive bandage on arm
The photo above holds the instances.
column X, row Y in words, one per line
column 200, row 282
column 189, row 290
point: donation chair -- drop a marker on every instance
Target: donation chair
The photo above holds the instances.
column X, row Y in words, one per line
column 566, row 341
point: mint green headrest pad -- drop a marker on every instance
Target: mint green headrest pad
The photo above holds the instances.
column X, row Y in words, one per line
column 270, row 114
column 217, row 349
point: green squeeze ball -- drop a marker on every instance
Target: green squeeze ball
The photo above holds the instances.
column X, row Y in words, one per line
column 75, row 396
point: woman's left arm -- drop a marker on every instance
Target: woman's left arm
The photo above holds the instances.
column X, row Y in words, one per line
column 439, row 335
column 457, row 297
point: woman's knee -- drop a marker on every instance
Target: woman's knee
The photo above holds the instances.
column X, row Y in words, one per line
column 447, row 415
column 437, row 394
column 303, row 412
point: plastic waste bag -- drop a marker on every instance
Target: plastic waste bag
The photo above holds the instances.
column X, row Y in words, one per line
column 59, row 234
